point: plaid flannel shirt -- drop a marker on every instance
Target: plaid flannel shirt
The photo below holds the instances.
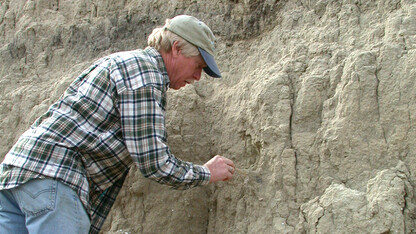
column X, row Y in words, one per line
column 111, row 116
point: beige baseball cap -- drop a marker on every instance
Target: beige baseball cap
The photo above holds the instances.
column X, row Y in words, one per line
column 200, row 35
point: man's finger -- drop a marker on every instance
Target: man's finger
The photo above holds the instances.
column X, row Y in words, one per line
column 228, row 161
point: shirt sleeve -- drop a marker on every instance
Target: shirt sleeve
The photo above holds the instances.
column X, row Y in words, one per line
column 143, row 125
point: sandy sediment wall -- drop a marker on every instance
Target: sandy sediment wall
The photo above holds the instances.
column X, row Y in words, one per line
column 317, row 107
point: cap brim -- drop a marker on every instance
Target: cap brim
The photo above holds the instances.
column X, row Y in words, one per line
column 211, row 69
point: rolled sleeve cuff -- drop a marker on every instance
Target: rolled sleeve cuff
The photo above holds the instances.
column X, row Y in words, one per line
column 205, row 174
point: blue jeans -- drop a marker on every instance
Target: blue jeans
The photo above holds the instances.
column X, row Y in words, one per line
column 42, row 206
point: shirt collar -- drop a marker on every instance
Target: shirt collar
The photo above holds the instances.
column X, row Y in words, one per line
column 160, row 63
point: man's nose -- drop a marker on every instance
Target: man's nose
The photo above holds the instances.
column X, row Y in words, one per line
column 197, row 75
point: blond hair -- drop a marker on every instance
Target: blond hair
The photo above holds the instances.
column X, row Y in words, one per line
column 163, row 39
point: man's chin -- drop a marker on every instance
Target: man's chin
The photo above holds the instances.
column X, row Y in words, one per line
column 176, row 87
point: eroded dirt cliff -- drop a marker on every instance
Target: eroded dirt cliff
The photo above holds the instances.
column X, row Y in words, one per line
column 317, row 107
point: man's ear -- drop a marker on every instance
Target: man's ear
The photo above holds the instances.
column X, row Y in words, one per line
column 176, row 51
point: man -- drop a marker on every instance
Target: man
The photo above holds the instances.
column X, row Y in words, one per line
column 64, row 173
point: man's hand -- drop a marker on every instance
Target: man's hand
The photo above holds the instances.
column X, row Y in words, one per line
column 221, row 168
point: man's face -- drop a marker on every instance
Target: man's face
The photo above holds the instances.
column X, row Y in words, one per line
column 185, row 70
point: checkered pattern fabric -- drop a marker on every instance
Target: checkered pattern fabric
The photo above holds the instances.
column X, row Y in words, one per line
column 111, row 116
